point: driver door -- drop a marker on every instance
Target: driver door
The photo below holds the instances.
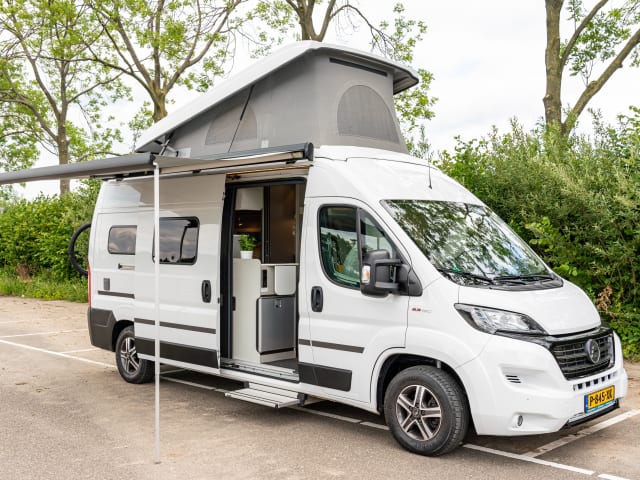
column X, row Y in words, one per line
column 347, row 330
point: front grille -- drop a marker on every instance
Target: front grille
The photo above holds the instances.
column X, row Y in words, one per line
column 574, row 361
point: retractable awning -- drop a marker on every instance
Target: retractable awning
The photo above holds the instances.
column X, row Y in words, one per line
column 141, row 164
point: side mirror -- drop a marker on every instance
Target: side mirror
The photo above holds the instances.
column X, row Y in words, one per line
column 378, row 275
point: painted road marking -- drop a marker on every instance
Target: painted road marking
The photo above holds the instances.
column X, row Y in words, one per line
column 81, row 350
column 611, row 477
column 525, row 458
column 328, row 414
column 581, row 434
column 43, row 333
column 57, row 354
column 515, row 456
column 193, row 384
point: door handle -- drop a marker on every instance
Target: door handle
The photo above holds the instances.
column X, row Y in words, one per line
column 317, row 299
column 206, row 291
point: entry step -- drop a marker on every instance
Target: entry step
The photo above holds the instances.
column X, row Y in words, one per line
column 267, row 396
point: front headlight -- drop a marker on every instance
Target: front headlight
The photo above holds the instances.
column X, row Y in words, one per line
column 492, row 320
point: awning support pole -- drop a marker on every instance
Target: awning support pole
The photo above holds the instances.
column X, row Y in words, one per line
column 156, row 222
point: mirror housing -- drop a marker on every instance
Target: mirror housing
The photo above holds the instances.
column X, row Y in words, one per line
column 378, row 274
column 382, row 275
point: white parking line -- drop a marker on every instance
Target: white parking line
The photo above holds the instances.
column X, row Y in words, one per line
column 43, row 333
column 327, row 414
column 7, row 322
column 611, row 477
column 57, row 354
column 525, row 458
column 193, row 384
column 82, row 350
column 581, row 434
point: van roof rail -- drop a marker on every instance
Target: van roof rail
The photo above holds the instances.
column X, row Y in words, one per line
column 140, row 164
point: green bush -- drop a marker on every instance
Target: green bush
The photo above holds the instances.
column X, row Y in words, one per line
column 576, row 200
column 34, row 235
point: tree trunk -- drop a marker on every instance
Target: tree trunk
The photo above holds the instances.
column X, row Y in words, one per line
column 63, row 155
column 552, row 99
column 159, row 106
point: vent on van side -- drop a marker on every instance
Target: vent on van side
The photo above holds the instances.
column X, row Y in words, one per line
column 513, row 378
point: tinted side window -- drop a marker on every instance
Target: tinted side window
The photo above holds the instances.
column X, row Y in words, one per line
column 178, row 240
column 373, row 237
column 339, row 245
column 122, row 240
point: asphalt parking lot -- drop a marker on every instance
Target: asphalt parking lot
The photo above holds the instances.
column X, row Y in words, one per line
column 65, row 413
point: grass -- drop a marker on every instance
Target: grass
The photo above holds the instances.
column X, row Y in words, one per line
column 43, row 286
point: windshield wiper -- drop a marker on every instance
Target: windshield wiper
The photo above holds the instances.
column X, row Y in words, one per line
column 472, row 276
column 524, row 278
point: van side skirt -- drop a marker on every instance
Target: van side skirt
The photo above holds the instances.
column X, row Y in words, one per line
column 329, row 377
column 179, row 353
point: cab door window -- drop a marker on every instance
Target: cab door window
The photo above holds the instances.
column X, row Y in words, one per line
column 347, row 234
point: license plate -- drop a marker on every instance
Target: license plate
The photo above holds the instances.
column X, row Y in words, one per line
column 600, row 399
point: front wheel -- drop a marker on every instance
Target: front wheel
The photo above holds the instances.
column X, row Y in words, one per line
column 132, row 368
column 426, row 411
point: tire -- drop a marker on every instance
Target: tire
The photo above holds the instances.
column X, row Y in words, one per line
column 132, row 368
column 71, row 251
column 426, row 411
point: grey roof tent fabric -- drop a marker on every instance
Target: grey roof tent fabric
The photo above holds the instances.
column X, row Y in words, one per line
column 305, row 93
column 322, row 94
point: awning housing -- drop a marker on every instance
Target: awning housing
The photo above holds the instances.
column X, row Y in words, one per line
column 141, row 164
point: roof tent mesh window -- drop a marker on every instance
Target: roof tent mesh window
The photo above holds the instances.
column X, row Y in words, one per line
column 363, row 113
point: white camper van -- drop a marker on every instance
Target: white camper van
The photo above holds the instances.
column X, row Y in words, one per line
column 375, row 280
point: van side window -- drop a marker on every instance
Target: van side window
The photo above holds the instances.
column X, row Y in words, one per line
column 373, row 237
column 339, row 245
column 178, row 240
column 122, row 240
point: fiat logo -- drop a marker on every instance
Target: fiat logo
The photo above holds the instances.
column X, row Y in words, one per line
column 592, row 349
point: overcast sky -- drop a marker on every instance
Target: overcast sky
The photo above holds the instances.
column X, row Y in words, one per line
column 487, row 58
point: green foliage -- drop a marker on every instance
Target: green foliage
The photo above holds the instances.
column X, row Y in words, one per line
column 601, row 38
column 34, row 235
column 43, row 286
column 164, row 44
column 399, row 42
column 576, row 200
column 51, row 94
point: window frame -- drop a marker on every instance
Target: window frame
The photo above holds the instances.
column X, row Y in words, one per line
column 195, row 258
column 360, row 213
column 135, row 227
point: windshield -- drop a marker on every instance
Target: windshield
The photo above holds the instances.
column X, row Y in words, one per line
column 469, row 244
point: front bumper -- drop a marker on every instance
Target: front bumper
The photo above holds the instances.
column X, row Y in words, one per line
column 516, row 387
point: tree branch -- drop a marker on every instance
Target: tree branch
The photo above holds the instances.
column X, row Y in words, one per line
column 328, row 16
column 595, row 86
column 574, row 38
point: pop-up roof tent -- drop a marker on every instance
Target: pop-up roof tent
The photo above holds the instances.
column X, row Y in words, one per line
column 305, row 94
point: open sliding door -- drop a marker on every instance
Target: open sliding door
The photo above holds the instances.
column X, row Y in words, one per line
column 190, row 232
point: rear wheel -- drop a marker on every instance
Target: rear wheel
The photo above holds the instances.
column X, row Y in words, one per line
column 426, row 411
column 132, row 368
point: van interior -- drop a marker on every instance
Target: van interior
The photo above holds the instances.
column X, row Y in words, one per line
column 259, row 317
